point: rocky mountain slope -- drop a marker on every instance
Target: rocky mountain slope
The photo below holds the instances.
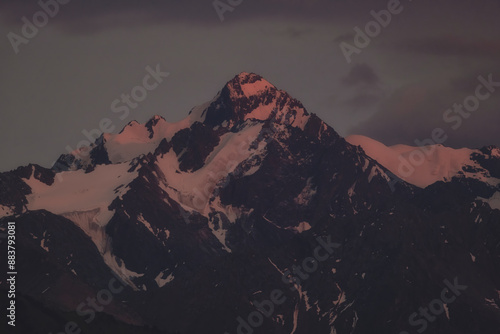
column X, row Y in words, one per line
column 253, row 215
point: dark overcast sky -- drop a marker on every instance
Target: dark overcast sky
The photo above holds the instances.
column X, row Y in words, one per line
column 396, row 90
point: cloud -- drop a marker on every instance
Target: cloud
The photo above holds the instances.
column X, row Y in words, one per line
column 92, row 15
column 345, row 37
column 450, row 46
column 361, row 101
column 412, row 112
column 361, row 90
column 361, row 74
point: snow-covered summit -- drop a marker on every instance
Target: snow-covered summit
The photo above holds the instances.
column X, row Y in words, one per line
column 250, row 96
column 249, row 84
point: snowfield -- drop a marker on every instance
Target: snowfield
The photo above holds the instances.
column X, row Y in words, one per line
column 423, row 166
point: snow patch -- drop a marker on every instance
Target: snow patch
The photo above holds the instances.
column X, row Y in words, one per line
column 116, row 264
column 445, row 306
column 275, row 266
column 80, row 191
column 141, row 219
column 306, row 194
column 376, row 170
column 472, row 257
column 295, row 318
column 161, row 282
column 491, row 302
column 302, row 227
column 43, row 241
column 493, row 201
column 5, row 211
column 218, row 231
column 351, row 191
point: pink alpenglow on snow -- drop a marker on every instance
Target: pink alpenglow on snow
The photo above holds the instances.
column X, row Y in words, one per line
column 423, row 166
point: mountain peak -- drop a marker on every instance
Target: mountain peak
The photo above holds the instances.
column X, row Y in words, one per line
column 154, row 122
column 249, row 84
column 247, row 77
column 250, row 96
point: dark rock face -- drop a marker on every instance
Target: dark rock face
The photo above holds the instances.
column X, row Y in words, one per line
column 58, row 268
column 194, row 144
column 42, row 174
column 309, row 221
column 99, row 154
column 152, row 123
column 486, row 160
column 13, row 191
